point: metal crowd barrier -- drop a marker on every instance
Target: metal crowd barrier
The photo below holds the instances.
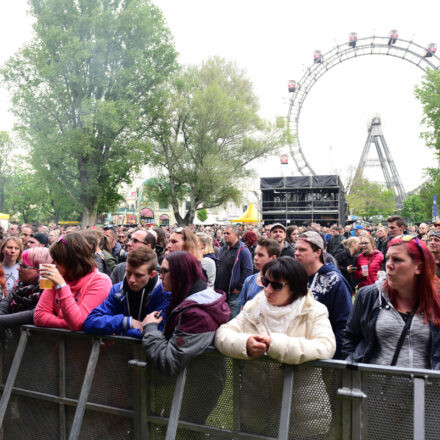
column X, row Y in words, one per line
column 57, row 385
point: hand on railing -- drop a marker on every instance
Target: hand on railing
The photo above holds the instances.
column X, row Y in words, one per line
column 257, row 345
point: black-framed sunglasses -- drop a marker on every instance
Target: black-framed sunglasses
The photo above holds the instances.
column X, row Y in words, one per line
column 276, row 285
column 136, row 241
column 163, row 271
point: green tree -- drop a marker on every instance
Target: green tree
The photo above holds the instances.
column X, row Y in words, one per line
column 430, row 189
column 202, row 215
column 85, row 89
column 5, row 165
column 429, row 95
column 206, row 133
column 413, row 209
column 368, row 199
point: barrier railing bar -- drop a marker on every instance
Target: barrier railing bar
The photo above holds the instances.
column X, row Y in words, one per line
column 106, row 409
column 141, row 395
column 419, row 408
column 346, row 407
column 356, row 405
column 85, row 390
column 176, row 406
column 286, row 403
column 18, row 356
column 236, row 372
column 62, row 385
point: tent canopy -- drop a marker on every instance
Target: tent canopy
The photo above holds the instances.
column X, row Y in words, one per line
column 250, row 216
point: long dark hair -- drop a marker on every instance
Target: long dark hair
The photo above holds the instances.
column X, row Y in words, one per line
column 427, row 283
column 185, row 270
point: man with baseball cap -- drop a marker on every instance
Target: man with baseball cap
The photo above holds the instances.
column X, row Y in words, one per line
column 325, row 282
column 434, row 247
column 278, row 233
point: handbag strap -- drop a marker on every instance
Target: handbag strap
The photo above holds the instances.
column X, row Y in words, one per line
column 403, row 334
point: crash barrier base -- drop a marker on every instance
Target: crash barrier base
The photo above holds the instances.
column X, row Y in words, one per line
column 61, row 385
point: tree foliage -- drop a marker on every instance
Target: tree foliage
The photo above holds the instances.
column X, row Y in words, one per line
column 429, row 95
column 84, row 90
column 202, row 215
column 5, row 165
column 413, row 209
column 430, row 189
column 368, row 199
column 206, row 133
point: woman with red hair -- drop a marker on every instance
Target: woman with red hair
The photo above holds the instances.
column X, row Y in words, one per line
column 398, row 323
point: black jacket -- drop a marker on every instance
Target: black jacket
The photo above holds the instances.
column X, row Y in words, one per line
column 359, row 339
column 344, row 259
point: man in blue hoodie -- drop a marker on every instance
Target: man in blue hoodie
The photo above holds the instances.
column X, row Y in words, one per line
column 131, row 300
column 326, row 283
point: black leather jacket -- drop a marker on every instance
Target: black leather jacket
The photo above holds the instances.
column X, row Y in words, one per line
column 359, row 338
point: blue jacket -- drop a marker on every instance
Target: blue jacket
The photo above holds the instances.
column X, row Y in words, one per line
column 330, row 288
column 112, row 316
column 242, row 267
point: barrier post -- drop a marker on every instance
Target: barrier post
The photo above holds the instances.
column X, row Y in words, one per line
column 236, row 372
column 141, row 395
column 286, row 403
column 419, row 408
column 18, row 356
column 85, row 390
column 173, row 421
column 62, row 385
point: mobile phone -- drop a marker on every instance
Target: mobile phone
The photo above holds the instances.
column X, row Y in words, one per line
column 354, row 268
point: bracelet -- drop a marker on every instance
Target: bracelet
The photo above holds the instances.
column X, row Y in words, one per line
column 60, row 286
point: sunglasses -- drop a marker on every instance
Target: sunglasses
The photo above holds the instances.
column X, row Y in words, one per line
column 163, row 271
column 25, row 266
column 408, row 238
column 276, row 285
column 136, row 241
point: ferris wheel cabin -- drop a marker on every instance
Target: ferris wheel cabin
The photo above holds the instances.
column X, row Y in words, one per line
column 317, row 57
column 431, row 50
column 292, row 86
column 352, row 39
column 394, row 35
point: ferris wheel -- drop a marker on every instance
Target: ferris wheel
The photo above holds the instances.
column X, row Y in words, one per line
column 422, row 57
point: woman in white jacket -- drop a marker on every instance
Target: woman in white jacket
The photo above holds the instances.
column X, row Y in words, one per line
column 288, row 324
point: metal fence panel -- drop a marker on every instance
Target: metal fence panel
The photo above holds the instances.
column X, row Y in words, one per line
column 221, row 398
column 388, row 407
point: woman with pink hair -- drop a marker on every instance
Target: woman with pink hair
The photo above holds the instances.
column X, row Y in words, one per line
column 17, row 308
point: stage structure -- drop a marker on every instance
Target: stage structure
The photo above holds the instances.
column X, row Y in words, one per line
column 392, row 179
column 299, row 200
column 423, row 57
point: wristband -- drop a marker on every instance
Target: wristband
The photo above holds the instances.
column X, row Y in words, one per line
column 60, row 286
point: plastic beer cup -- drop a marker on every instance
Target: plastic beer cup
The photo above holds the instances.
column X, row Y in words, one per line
column 364, row 268
column 44, row 282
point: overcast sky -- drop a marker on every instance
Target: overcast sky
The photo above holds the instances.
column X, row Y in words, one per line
column 274, row 42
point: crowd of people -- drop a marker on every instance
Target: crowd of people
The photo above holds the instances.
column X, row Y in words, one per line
column 361, row 293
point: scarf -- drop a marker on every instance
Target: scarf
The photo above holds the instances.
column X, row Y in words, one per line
column 278, row 319
column 25, row 296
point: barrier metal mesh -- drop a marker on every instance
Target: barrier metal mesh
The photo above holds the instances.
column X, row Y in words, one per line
column 31, row 419
column 98, row 425
column 113, row 382
column 432, row 419
column 315, row 412
column 388, row 407
column 261, row 386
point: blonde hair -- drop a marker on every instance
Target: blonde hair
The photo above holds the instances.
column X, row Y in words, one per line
column 207, row 241
column 348, row 243
column 17, row 242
